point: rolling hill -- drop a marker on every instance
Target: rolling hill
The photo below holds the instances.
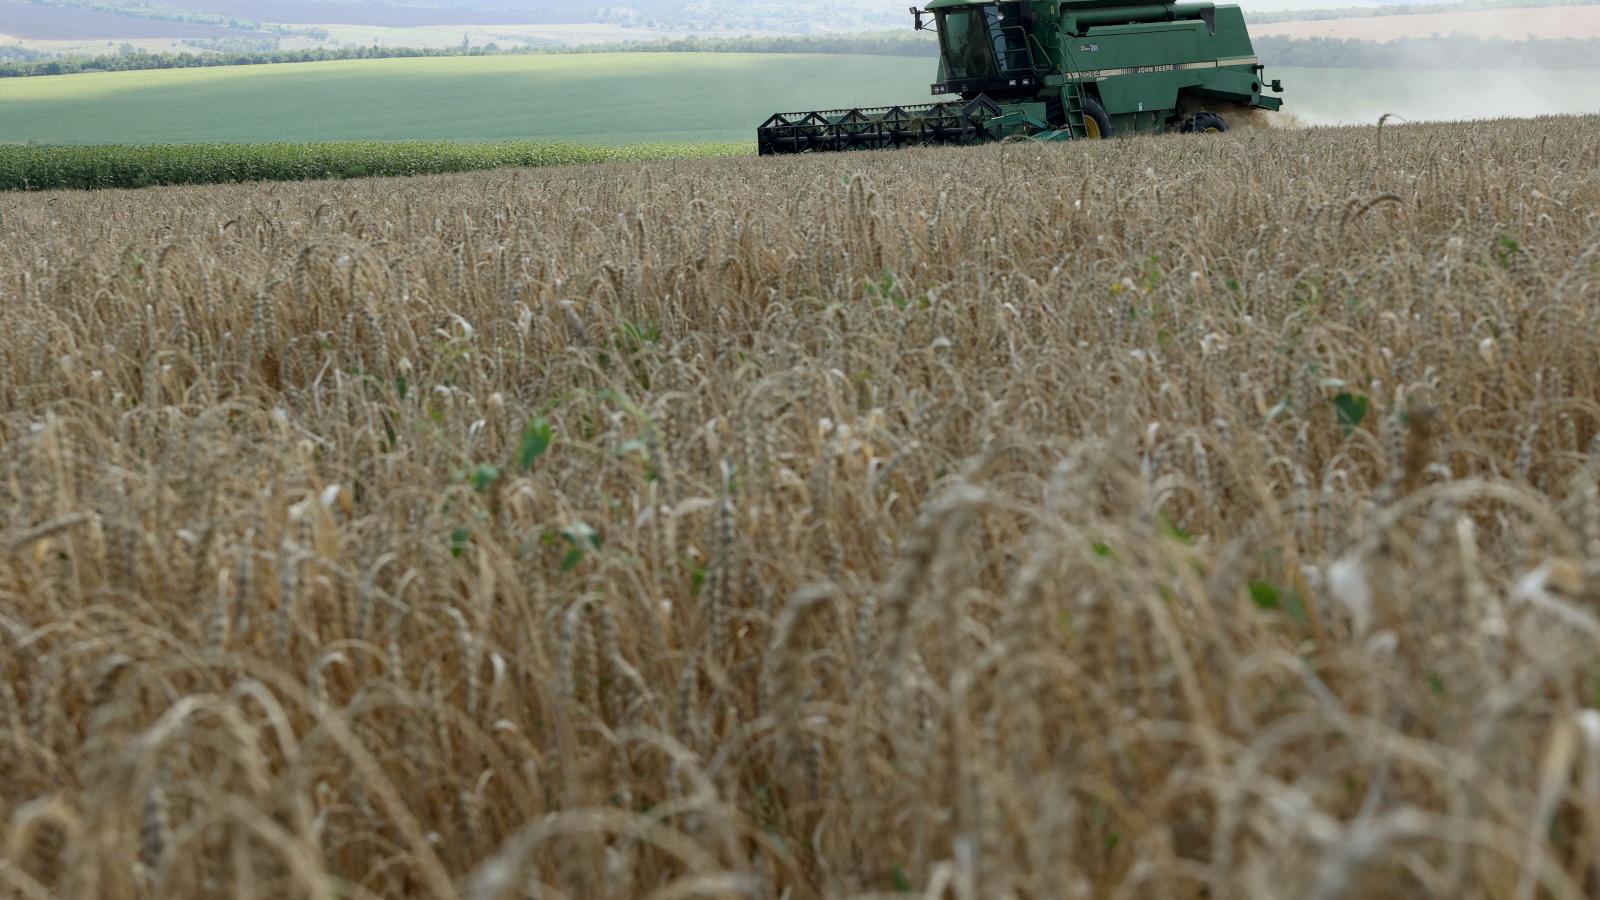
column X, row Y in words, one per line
column 599, row 98
column 623, row 98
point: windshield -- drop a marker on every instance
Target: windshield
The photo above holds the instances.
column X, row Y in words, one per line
column 984, row 41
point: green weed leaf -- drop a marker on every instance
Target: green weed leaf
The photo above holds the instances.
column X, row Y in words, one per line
column 583, row 540
column 536, row 439
column 1264, row 594
column 1351, row 410
column 1276, row 598
column 484, row 477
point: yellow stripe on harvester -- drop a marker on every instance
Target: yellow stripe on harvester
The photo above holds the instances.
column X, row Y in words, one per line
column 1099, row 74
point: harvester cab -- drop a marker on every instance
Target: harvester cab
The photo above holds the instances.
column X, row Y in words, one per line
column 1055, row 70
column 983, row 49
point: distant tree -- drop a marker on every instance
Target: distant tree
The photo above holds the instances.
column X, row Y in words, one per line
column 1454, row 51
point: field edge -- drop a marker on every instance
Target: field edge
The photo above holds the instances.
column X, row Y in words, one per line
column 109, row 166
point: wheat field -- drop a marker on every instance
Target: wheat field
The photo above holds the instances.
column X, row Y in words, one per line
column 1165, row 517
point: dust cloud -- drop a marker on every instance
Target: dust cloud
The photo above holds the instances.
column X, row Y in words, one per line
column 1352, row 96
column 1433, row 82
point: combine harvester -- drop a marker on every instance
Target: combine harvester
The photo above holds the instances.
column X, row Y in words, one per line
column 1055, row 70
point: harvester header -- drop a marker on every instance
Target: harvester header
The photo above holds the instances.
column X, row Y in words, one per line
column 1056, row 70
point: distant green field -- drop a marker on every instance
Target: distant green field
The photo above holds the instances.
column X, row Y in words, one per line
column 627, row 98
column 620, row 98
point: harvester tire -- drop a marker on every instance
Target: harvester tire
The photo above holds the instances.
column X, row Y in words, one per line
column 1205, row 123
column 1096, row 124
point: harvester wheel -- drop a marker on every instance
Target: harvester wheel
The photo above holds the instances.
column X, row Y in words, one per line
column 1096, row 124
column 1205, row 123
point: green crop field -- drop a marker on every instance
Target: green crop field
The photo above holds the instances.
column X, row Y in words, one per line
column 598, row 98
column 618, row 98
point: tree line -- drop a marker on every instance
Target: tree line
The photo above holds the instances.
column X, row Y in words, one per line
column 26, row 63
column 1451, row 51
column 17, row 61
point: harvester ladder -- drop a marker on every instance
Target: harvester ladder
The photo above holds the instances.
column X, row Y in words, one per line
column 1072, row 103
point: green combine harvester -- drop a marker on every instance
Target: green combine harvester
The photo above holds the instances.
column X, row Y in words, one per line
column 1055, row 70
